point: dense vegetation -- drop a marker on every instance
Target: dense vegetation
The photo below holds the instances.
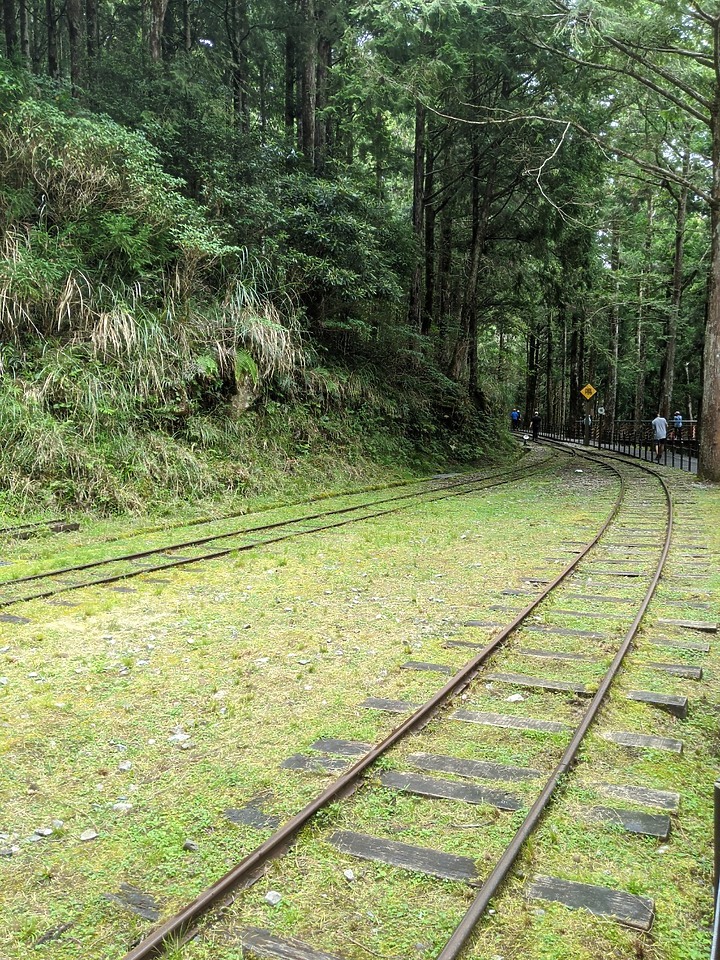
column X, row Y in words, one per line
column 234, row 227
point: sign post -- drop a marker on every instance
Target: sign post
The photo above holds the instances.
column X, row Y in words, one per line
column 588, row 392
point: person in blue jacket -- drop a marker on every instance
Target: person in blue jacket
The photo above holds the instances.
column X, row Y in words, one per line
column 515, row 419
column 677, row 424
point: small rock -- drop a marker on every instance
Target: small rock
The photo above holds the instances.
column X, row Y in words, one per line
column 44, row 832
column 179, row 737
column 3, row 681
column 6, row 851
column 539, row 912
column 273, row 898
column 58, row 824
column 515, row 698
column 191, row 846
column 663, row 849
column 125, row 765
column 349, row 875
column 122, row 806
column 88, row 834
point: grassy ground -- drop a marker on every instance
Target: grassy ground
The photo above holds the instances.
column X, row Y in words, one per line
column 257, row 656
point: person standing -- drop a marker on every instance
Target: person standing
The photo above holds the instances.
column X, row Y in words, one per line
column 515, row 419
column 535, row 424
column 660, row 428
column 677, row 425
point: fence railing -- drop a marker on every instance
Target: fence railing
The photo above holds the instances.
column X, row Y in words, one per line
column 679, row 450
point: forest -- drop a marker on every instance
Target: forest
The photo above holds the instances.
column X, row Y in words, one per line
column 228, row 224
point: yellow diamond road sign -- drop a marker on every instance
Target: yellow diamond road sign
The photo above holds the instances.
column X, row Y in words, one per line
column 588, row 391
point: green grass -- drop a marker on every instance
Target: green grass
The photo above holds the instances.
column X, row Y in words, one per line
column 259, row 655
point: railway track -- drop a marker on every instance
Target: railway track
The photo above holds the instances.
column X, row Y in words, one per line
column 586, row 618
column 123, row 567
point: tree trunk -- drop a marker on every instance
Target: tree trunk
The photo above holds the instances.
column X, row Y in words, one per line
column 709, row 457
column 309, row 82
column 52, row 40
column 73, row 11
column 668, row 370
column 549, row 385
column 640, row 339
column 24, row 31
column 324, row 58
column 238, row 32
column 91, row 25
column 11, row 37
column 157, row 20
column 531, row 353
column 429, row 305
column 290, row 74
column 415, row 306
column 187, row 27
column 36, row 45
column 611, row 398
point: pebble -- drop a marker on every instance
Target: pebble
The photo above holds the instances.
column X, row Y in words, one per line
column 44, row 832
column 3, row 681
column 125, row 765
column 273, row 898
column 58, row 824
column 88, row 834
column 515, row 698
column 122, row 806
column 179, row 737
column 349, row 875
column 191, row 846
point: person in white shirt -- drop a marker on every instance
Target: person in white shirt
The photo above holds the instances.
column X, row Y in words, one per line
column 660, row 428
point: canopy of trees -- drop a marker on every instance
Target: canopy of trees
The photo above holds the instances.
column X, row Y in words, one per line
column 493, row 203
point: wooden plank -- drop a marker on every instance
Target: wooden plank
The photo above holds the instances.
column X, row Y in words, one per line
column 647, row 824
column 135, row 901
column 677, row 670
column 557, row 655
column 12, row 618
column 346, row 748
column 586, row 614
column 556, row 686
column 299, row 761
column 644, row 796
column 694, row 645
column 598, row 598
column 677, row 706
column 251, row 816
column 449, row 790
column 703, row 626
column 479, row 769
column 256, row 942
column 509, row 722
column 564, row 631
column 446, row 866
column 429, row 667
column 617, row 573
column 626, row 739
column 626, row 908
column 389, row 706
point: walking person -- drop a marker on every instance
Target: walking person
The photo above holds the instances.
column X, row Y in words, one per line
column 677, row 426
column 535, row 424
column 660, row 428
column 515, row 419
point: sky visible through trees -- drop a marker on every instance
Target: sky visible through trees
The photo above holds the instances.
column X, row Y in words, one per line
column 505, row 200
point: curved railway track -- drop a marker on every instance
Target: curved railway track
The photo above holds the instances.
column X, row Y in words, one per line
column 129, row 565
column 637, row 534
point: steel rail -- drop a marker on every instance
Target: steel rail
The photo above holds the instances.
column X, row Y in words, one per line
column 347, row 782
column 215, row 554
column 464, row 930
column 151, row 551
column 8, row 531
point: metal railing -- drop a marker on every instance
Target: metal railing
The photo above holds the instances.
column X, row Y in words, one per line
column 680, row 449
